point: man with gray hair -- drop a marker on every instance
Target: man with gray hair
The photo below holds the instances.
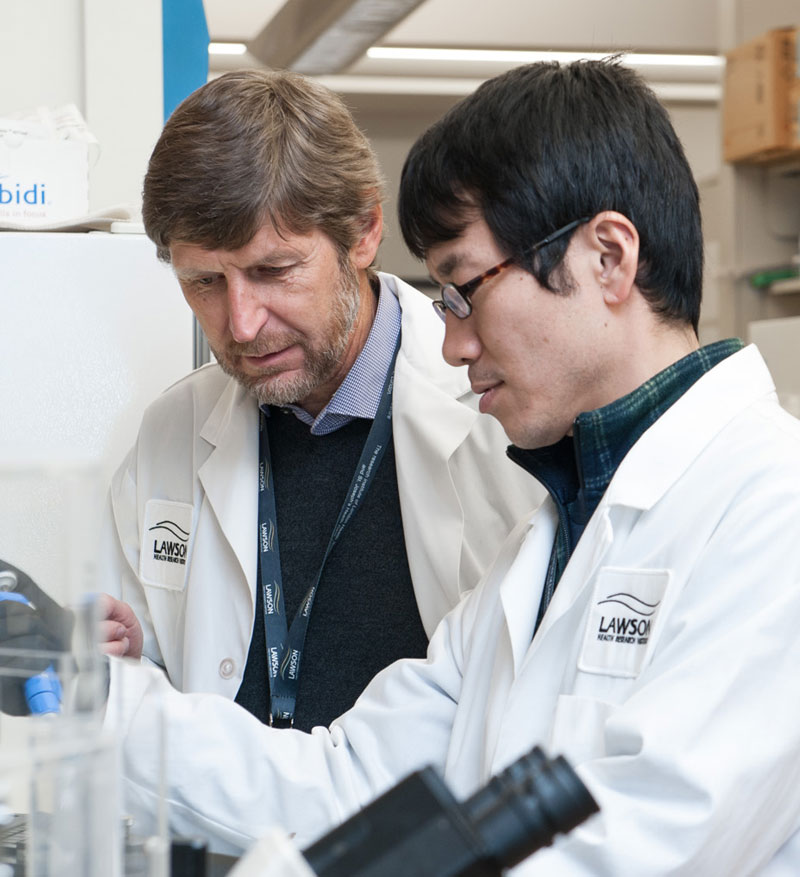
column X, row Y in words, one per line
column 301, row 513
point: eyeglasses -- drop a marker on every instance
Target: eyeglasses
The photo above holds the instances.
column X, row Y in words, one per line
column 456, row 298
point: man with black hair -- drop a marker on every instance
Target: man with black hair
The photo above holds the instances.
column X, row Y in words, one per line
column 644, row 621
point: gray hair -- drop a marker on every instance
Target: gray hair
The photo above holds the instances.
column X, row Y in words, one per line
column 254, row 146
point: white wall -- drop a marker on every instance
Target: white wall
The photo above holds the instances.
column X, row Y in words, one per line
column 699, row 127
column 104, row 56
column 42, row 43
column 124, row 94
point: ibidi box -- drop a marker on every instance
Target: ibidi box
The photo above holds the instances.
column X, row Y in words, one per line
column 760, row 76
column 42, row 181
column 44, row 167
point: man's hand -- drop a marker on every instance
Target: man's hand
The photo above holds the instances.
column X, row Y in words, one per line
column 119, row 631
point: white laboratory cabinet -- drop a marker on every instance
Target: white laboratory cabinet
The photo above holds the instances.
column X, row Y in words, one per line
column 92, row 327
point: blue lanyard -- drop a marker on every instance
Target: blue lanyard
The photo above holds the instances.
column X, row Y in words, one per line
column 285, row 644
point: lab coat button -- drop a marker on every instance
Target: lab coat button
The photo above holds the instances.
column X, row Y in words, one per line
column 226, row 668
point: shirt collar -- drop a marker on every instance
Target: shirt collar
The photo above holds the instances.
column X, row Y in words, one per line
column 604, row 436
column 578, row 470
column 359, row 394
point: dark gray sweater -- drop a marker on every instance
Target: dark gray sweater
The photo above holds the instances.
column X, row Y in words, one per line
column 365, row 615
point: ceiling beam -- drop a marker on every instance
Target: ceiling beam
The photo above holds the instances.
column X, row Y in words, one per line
column 325, row 36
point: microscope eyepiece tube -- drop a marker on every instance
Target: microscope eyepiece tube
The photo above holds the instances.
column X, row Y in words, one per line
column 419, row 828
column 526, row 806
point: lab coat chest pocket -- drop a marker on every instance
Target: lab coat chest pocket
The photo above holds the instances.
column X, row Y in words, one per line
column 165, row 542
column 622, row 621
column 617, row 643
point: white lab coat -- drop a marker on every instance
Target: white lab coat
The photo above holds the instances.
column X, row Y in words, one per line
column 690, row 741
column 196, row 463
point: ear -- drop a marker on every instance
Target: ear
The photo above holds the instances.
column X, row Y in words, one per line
column 363, row 252
column 614, row 242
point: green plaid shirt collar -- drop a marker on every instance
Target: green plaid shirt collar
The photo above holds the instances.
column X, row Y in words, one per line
column 604, row 436
column 577, row 470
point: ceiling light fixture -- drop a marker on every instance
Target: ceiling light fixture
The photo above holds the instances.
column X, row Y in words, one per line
column 226, row 48
column 494, row 56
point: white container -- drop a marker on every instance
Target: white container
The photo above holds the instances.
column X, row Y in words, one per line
column 42, row 181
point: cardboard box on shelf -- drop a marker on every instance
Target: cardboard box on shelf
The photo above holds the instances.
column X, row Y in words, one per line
column 794, row 115
column 759, row 77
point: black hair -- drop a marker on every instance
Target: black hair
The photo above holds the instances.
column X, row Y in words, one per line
column 545, row 144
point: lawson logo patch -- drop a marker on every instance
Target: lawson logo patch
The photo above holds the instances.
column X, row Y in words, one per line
column 165, row 541
column 631, row 626
column 622, row 619
column 171, row 549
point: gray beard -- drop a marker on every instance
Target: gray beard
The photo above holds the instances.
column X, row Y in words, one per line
column 320, row 364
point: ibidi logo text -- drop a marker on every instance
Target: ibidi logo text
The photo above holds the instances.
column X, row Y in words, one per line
column 17, row 193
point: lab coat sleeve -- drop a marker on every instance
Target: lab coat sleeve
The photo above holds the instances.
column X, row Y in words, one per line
column 118, row 553
column 228, row 777
column 697, row 768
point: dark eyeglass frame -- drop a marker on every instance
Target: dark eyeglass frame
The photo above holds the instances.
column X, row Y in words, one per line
column 456, row 297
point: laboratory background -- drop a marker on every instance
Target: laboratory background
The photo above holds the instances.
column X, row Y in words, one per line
column 93, row 327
